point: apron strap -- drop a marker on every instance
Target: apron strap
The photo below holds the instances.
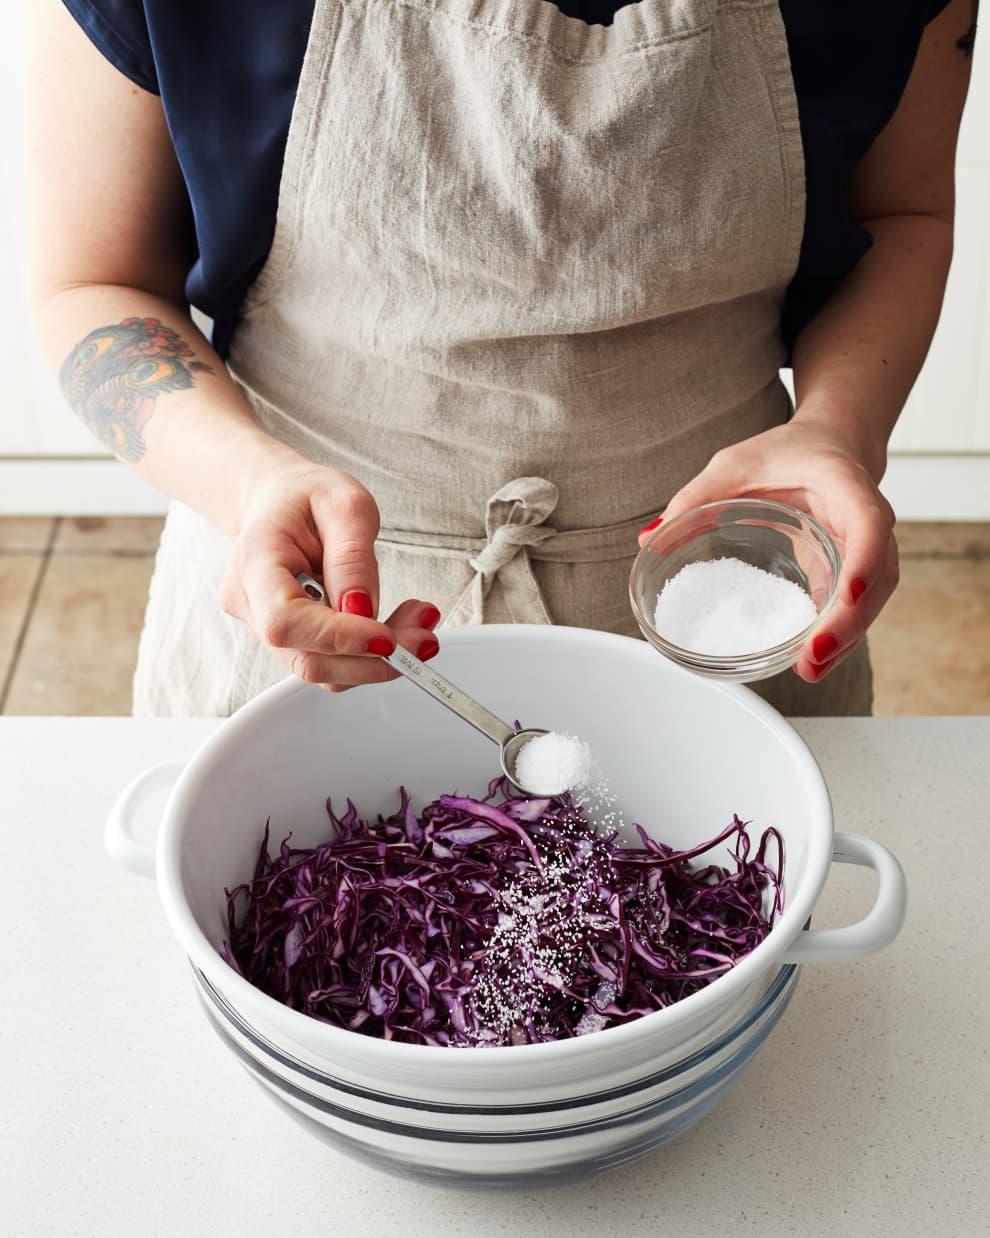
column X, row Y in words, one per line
column 514, row 521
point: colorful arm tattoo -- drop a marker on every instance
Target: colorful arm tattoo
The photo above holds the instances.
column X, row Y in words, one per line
column 114, row 376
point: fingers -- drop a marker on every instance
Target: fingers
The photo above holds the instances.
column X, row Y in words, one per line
column 347, row 524
column 312, row 520
column 813, row 472
column 280, row 614
column 865, row 528
column 411, row 625
column 855, row 609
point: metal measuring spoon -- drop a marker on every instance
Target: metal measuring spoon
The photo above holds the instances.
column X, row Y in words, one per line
column 509, row 740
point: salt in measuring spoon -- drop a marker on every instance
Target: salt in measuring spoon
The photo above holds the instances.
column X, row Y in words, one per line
column 509, row 740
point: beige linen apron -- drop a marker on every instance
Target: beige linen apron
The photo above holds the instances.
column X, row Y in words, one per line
column 525, row 280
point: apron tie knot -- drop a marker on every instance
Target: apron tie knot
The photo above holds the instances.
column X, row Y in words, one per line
column 513, row 522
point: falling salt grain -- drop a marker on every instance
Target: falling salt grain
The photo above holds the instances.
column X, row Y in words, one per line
column 547, row 915
column 724, row 607
column 553, row 763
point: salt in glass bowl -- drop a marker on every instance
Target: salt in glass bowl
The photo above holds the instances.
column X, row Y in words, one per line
column 773, row 536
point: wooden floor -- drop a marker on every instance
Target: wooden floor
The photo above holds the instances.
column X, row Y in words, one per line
column 72, row 595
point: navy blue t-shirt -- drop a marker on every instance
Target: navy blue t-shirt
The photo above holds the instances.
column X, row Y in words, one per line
column 227, row 72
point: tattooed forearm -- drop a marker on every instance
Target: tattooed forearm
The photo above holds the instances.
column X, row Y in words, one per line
column 114, row 376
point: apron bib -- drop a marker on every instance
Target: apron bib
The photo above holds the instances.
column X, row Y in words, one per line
column 526, row 279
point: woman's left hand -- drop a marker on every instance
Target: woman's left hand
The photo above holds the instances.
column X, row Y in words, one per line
column 814, row 471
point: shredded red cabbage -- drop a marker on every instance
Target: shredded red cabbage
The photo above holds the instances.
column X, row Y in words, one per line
column 508, row 920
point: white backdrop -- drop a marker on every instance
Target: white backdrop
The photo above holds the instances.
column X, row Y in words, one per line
column 940, row 463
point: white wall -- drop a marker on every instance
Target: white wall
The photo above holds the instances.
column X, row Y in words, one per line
column 49, row 462
column 940, row 451
column 940, row 460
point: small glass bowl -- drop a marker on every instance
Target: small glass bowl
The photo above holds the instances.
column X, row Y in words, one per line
column 780, row 539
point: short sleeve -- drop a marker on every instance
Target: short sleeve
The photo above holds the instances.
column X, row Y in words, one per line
column 119, row 30
column 930, row 9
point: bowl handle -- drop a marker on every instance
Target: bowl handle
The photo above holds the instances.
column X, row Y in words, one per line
column 117, row 836
column 880, row 926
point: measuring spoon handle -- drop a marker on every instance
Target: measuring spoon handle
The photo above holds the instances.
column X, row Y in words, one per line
column 423, row 676
column 442, row 690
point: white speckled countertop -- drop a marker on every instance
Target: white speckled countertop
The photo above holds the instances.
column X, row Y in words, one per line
column 866, row 1113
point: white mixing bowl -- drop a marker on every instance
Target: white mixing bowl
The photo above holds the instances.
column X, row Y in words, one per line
column 680, row 753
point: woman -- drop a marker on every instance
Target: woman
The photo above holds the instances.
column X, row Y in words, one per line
column 532, row 274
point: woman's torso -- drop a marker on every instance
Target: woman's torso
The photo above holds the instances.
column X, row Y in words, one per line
column 512, row 248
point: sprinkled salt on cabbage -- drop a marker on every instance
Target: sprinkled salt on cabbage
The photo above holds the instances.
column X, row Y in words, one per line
column 502, row 921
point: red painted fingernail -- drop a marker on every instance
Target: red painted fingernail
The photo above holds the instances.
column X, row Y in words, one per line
column 428, row 649
column 356, row 602
column 648, row 528
column 382, row 646
column 822, row 670
column 429, row 618
column 857, row 589
column 824, row 646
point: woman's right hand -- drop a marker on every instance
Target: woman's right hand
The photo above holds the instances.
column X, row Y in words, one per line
column 303, row 518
